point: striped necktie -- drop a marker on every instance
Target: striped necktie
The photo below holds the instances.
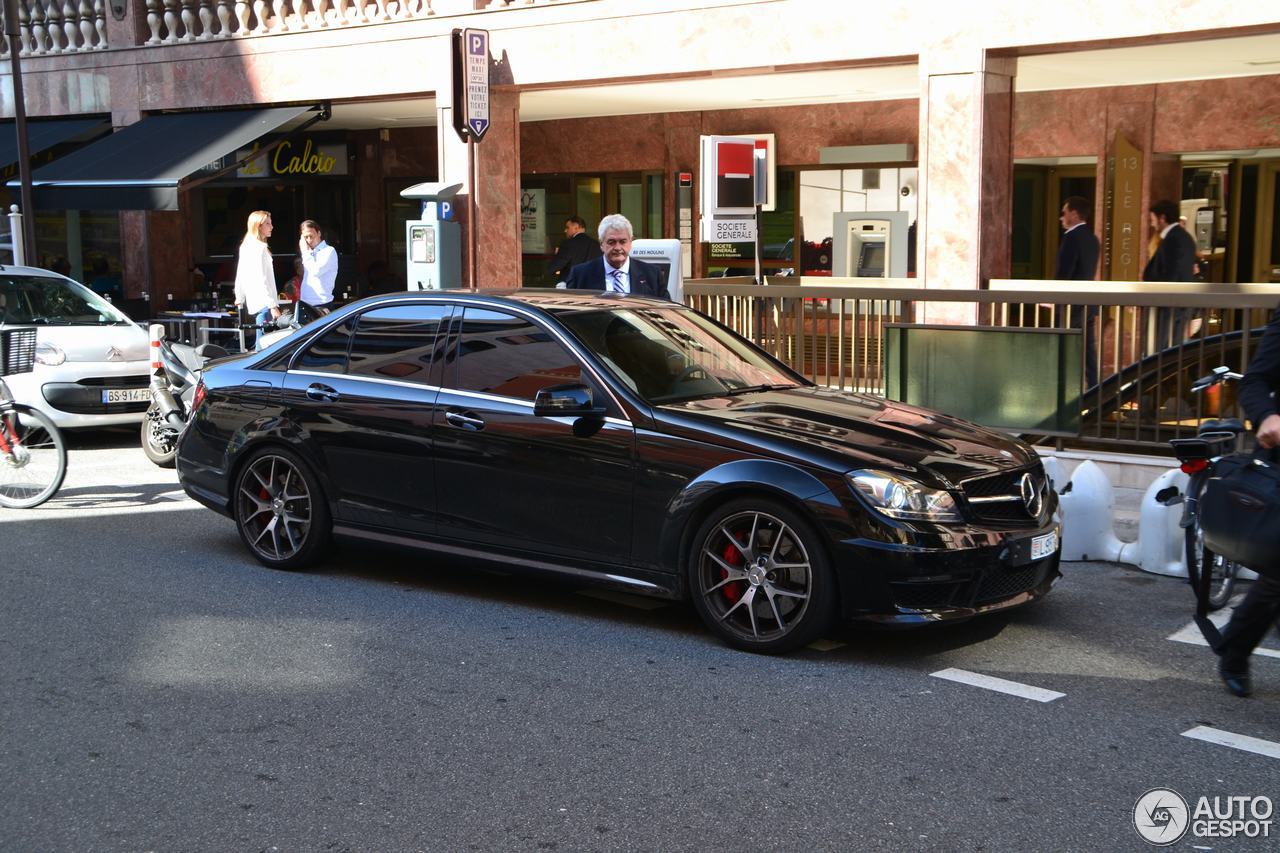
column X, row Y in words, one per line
column 617, row 281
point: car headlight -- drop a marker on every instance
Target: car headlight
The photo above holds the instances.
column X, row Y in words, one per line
column 898, row 497
column 50, row 354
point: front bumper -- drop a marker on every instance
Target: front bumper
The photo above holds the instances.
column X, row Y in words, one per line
column 987, row 571
column 70, row 394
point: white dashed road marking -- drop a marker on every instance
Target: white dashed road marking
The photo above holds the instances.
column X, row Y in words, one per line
column 1242, row 742
column 999, row 685
column 1191, row 634
column 825, row 645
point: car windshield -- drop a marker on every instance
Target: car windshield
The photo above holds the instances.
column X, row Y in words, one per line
column 36, row 300
column 673, row 354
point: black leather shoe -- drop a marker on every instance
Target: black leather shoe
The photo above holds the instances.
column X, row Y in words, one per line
column 1237, row 682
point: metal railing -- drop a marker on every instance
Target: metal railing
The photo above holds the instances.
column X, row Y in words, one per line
column 1149, row 341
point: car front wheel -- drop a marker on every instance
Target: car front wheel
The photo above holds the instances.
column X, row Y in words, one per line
column 760, row 578
column 280, row 510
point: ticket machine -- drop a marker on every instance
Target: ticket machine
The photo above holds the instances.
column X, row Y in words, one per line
column 433, row 242
column 665, row 255
column 870, row 245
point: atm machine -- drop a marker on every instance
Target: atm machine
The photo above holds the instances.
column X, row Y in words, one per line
column 433, row 242
column 870, row 245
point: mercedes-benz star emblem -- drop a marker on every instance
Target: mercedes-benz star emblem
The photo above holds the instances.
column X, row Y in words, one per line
column 114, row 354
column 1031, row 497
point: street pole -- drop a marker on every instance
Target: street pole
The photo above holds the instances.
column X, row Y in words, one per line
column 20, row 126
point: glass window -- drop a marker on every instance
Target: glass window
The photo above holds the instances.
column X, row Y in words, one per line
column 673, row 353
column 397, row 342
column 502, row 354
column 329, row 354
column 41, row 301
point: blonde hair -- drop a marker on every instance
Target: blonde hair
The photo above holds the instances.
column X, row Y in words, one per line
column 253, row 228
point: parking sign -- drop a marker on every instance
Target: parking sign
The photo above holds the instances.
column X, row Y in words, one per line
column 475, row 91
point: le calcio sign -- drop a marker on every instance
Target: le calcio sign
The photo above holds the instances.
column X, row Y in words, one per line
column 300, row 158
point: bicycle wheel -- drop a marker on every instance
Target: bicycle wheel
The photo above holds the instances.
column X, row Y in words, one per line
column 34, row 460
column 1222, row 572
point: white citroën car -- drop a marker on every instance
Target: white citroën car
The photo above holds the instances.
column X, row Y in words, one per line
column 92, row 362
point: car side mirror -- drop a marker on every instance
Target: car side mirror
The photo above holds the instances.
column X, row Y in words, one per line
column 571, row 400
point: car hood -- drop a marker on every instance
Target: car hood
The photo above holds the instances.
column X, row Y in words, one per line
column 98, row 343
column 843, row 431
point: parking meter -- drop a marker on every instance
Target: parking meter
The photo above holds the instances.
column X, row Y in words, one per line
column 433, row 242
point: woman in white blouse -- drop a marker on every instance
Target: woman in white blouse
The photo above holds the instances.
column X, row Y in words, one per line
column 255, row 275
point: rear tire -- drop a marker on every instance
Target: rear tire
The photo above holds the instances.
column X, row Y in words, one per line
column 31, row 471
column 760, row 577
column 159, row 444
column 280, row 510
column 1222, row 572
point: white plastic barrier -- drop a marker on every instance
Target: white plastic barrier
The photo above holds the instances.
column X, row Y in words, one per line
column 1087, row 532
column 1161, row 545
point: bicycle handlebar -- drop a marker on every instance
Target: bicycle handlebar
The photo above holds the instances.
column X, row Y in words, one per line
column 1219, row 375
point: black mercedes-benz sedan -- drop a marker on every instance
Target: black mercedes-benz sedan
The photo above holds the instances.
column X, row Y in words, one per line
column 623, row 440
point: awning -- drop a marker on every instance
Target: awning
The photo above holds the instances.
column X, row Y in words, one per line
column 42, row 135
column 140, row 167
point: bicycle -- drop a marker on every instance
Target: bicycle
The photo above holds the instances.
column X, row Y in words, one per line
column 33, row 458
column 1197, row 457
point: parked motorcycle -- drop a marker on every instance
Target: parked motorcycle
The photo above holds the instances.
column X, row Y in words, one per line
column 176, row 369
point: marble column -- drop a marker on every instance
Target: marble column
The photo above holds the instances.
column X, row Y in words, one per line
column 497, row 197
column 966, row 174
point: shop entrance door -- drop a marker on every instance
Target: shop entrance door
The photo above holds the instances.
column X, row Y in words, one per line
column 1266, row 258
column 1038, row 194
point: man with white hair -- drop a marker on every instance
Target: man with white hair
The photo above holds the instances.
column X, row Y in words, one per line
column 617, row 271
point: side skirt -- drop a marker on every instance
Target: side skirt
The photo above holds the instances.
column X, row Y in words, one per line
column 638, row 582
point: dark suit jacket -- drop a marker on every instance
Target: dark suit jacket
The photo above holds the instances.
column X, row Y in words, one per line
column 1174, row 260
column 578, row 249
column 1078, row 255
column 1262, row 377
column 645, row 279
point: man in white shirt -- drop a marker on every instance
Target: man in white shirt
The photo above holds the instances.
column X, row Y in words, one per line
column 319, row 266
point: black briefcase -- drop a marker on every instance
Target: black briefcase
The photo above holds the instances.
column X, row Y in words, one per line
column 1240, row 512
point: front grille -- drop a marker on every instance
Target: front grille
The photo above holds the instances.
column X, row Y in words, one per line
column 136, row 380
column 924, row 595
column 1000, row 583
column 1011, row 512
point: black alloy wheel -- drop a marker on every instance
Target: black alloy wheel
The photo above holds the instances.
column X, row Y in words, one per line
column 280, row 510
column 159, row 441
column 760, row 577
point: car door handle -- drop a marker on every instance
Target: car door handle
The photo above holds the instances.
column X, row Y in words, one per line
column 464, row 421
column 322, row 393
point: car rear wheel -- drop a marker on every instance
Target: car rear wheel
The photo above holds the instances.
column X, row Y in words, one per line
column 280, row 510
column 760, row 578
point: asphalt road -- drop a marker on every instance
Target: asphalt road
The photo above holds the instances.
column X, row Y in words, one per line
column 162, row 691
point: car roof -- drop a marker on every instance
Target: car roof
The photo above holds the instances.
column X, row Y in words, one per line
column 542, row 298
column 36, row 272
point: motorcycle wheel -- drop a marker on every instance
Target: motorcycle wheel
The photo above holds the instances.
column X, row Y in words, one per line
column 160, row 445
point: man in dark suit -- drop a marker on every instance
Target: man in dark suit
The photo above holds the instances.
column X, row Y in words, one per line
column 617, row 271
column 1260, row 609
column 1174, row 260
column 576, row 248
column 1078, row 261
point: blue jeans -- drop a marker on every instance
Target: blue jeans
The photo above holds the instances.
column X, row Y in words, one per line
column 263, row 316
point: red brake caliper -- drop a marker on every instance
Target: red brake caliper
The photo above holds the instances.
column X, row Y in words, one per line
column 732, row 591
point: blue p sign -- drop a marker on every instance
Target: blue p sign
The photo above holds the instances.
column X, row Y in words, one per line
column 446, row 211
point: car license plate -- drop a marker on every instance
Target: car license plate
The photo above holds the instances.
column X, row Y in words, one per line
column 1043, row 546
column 126, row 395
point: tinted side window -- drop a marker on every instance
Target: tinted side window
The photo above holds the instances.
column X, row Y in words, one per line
column 397, row 342
column 329, row 353
column 503, row 354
